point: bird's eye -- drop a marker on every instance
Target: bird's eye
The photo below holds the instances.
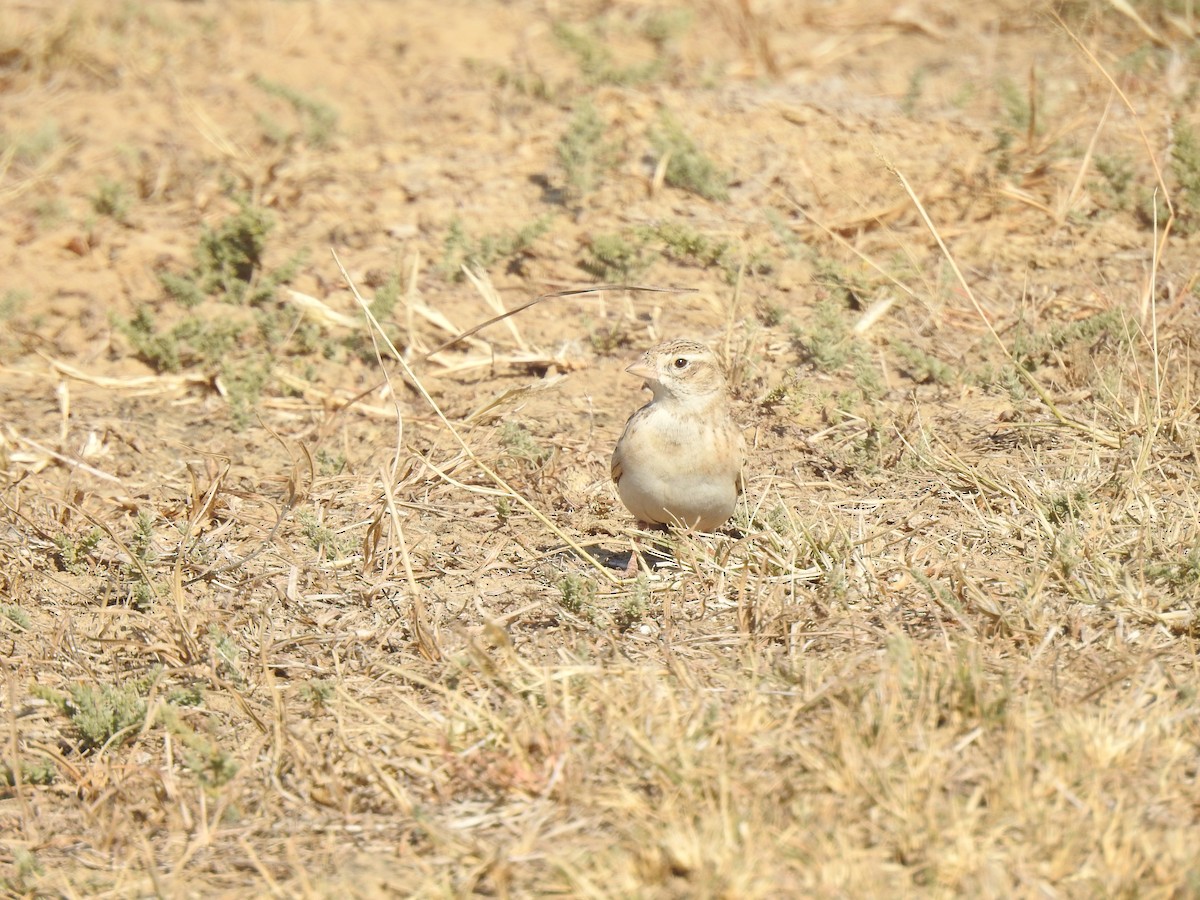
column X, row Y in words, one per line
column 681, row 363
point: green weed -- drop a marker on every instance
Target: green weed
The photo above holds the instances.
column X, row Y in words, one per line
column 922, row 366
column 212, row 765
column 73, row 552
column 319, row 119
column 826, row 338
column 229, row 262
column 227, row 654
column 104, row 712
column 684, row 244
column 16, row 615
column 662, row 26
column 318, row 691
column 12, row 302
column 112, row 199
column 41, row 772
column 633, row 608
column 24, row 872
column 30, row 148
column 321, row 537
column 578, row 595
column 688, row 168
column 520, row 444
column 1185, row 171
column 1117, row 172
column 618, row 258
column 583, row 154
column 459, row 248
column 595, row 60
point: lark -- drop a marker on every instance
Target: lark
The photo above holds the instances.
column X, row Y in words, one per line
column 679, row 461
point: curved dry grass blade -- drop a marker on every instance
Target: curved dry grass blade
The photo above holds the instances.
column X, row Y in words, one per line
column 571, row 292
column 1099, row 435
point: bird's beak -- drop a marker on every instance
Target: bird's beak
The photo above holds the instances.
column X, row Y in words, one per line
column 642, row 369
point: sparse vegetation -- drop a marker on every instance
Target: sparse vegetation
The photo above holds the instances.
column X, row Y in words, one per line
column 688, row 167
column 362, row 645
column 618, row 258
column 1185, row 169
column 230, row 262
column 112, row 199
column 584, row 153
column 460, row 249
column 103, row 713
column 318, row 119
column 596, row 61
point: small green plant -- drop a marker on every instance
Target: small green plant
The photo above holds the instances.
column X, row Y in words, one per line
column 229, row 262
column 319, row 119
column 504, row 509
column 51, row 211
column 141, row 546
column 922, row 366
column 186, row 695
column 228, row 654
column 634, row 606
column 583, row 154
column 1065, row 507
column 787, row 237
column 1183, row 571
column 244, row 383
column 608, row 339
column 30, row 148
column 595, row 60
column 662, row 26
column 194, row 340
column 1185, row 170
column 73, row 552
column 103, row 712
column 212, row 765
column 826, row 338
column 1018, row 111
column 329, row 464
column 521, row 80
column 619, row 258
column 40, row 772
column 578, row 594
column 16, row 615
column 317, row 691
column 320, row 536
column 1032, row 347
column 161, row 351
column 519, row 443
column 112, row 199
column 461, row 249
column 770, row 313
column 685, row 244
column 916, row 85
column 387, row 295
column 25, row 870
column 1117, row 172
column 12, row 302
column 688, row 168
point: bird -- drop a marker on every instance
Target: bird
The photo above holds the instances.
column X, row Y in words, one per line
column 679, row 460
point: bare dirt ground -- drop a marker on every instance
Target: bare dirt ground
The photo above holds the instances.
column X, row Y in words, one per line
column 282, row 615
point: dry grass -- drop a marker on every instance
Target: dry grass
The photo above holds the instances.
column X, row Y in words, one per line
column 319, row 611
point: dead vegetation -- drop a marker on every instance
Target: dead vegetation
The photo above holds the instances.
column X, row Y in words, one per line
column 302, row 599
